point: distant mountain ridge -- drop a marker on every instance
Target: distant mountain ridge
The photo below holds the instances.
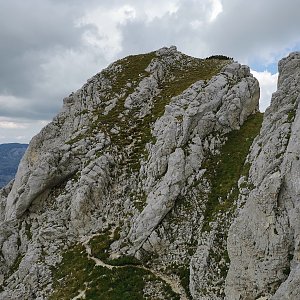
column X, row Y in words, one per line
column 10, row 156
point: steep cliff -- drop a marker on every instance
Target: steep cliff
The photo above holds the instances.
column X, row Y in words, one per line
column 263, row 241
column 129, row 193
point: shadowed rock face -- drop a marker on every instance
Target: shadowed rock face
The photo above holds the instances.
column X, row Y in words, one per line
column 150, row 162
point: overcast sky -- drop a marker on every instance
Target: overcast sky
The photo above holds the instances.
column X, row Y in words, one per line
column 49, row 48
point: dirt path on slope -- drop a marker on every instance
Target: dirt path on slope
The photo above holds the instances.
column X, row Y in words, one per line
column 172, row 281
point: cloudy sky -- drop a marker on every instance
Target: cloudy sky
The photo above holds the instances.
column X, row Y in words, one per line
column 49, row 48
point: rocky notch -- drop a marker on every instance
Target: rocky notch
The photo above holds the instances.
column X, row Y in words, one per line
column 139, row 171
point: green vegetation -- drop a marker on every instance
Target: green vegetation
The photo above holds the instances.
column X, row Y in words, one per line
column 291, row 115
column 77, row 273
column 124, row 261
column 224, row 170
column 183, row 272
column 222, row 57
column 223, row 173
column 139, row 199
column 125, row 283
column 28, row 231
column 83, row 112
column 75, row 140
column 132, row 72
column 287, row 271
column 70, row 276
column 15, row 265
column 100, row 245
column 182, row 76
column 220, row 255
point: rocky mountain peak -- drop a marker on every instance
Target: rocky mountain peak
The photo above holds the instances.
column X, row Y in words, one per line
column 147, row 176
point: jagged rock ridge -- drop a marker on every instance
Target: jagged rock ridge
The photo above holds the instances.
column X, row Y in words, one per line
column 139, row 178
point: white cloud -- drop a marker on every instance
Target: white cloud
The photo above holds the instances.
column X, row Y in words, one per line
column 20, row 137
column 196, row 24
column 25, row 108
column 8, row 100
column 158, row 10
column 108, row 36
column 250, row 30
column 209, row 10
column 108, row 22
column 14, row 129
column 10, row 125
column 216, row 9
column 65, row 71
column 268, row 85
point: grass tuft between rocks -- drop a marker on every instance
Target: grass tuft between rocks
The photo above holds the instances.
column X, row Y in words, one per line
column 77, row 272
column 224, row 170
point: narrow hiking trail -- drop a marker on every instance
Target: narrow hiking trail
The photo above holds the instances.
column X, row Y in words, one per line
column 173, row 282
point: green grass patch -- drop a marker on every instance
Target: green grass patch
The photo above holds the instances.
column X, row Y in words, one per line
column 28, row 230
column 119, row 284
column 224, row 170
column 184, row 75
column 124, row 261
column 100, row 245
column 220, row 253
column 132, row 71
column 222, row 57
column 15, row 265
column 183, row 272
column 72, row 273
column 77, row 273
column 78, row 138
column 179, row 78
column 291, row 115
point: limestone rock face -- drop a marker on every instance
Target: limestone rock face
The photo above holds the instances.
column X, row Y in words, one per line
column 263, row 241
column 195, row 106
column 143, row 163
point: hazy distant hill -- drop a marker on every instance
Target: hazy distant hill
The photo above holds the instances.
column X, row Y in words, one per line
column 10, row 156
